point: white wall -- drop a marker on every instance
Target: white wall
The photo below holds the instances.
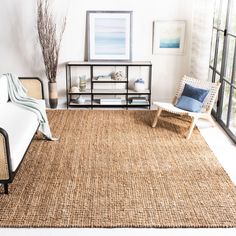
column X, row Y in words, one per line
column 20, row 52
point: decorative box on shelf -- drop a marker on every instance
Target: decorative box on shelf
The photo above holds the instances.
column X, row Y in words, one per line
column 109, row 84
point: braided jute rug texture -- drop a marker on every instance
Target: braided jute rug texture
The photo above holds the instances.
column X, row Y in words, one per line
column 111, row 169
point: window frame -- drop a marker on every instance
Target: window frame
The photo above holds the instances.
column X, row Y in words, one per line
column 217, row 113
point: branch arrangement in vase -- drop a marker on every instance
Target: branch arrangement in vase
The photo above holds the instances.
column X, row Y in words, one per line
column 50, row 36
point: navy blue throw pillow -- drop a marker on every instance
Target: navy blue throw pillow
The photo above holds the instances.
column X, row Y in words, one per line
column 192, row 98
column 195, row 93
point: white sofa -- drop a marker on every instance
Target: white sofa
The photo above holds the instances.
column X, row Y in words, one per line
column 17, row 129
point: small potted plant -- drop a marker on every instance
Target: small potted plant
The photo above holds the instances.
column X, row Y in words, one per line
column 50, row 41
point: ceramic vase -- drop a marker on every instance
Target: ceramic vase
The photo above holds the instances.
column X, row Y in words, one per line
column 53, row 95
column 139, row 85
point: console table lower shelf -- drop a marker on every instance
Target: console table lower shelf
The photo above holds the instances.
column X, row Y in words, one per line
column 97, row 104
column 117, row 99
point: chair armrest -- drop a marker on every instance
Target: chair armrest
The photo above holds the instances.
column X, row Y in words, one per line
column 34, row 87
column 4, row 156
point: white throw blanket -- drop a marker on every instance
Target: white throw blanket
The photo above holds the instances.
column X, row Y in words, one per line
column 17, row 94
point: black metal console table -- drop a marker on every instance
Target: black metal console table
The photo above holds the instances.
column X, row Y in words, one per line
column 92, row 93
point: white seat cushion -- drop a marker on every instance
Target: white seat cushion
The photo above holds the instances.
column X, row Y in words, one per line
column 21, row 125
column 4, row 97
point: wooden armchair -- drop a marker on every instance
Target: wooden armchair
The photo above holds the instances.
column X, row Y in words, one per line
column 208, row 104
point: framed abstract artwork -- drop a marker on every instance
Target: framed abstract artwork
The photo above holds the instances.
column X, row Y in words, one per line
column 109, row 35
column 169, row 37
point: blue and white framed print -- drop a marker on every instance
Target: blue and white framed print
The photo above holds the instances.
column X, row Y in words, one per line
column 169, row 37
column 109, row 35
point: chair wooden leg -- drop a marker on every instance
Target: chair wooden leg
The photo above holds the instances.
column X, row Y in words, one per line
column 210, row 119
column 156, row 117
column 193, row 123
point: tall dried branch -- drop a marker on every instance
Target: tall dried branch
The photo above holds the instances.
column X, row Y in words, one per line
column 49, row 37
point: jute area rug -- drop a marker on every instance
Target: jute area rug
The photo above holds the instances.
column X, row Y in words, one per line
column 111, row 169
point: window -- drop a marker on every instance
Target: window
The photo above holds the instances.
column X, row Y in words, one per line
column 223, row 64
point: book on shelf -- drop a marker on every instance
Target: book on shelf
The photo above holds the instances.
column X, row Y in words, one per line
column 138, row 100
column 140, row 103
column 82, row 101
column 111, row 101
